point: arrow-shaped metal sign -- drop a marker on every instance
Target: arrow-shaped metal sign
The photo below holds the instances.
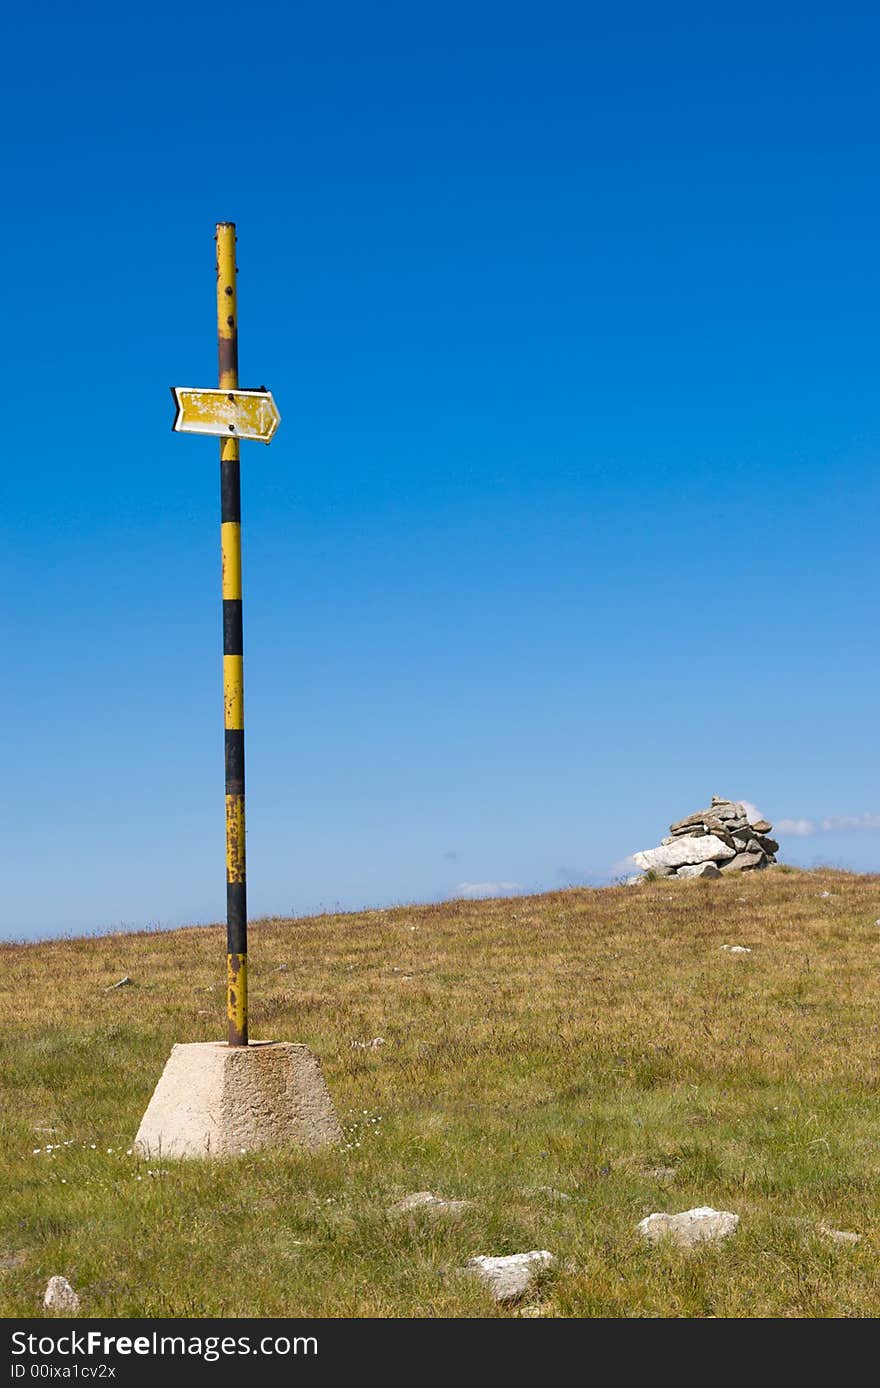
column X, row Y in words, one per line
column 237, row 414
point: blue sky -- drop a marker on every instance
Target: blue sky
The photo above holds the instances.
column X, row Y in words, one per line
column 571, row 315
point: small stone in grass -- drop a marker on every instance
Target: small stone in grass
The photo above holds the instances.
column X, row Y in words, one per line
column 122, row 983
column 508, row 1278
column 737, row 949
column 560, row 1197
column 60, row 1296
column 690, row 1228
column 432, row 1204
column 839, row 1235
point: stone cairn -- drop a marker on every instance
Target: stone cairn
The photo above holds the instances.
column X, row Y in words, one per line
column 710, row 842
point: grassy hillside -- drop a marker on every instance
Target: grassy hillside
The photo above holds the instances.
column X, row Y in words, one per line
column 576, row 1042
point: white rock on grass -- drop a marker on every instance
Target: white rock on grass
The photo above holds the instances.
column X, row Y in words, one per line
column 509, row 1277
column 430, row 1203
column 737, row 949
column 699, row 870
column 839, row 1235
column 690, row 1228
column 561, row 1197
column 60, row 1296
column 682, row 852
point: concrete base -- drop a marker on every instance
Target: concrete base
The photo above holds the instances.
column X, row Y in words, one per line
column 215, row 1100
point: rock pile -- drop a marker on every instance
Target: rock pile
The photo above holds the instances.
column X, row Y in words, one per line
column 705, row 844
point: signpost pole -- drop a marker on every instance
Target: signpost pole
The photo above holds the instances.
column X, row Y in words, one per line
column 233, row 651
column 196, row 1109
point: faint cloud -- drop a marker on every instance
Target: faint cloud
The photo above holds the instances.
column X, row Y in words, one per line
column 751, row 810
column 625, row 868
column 476, row 890
column 830, row 824
column 800, row 828
column 835, row 822
column 450, row 856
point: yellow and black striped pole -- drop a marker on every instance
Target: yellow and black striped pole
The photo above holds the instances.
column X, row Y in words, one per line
column 233, row 652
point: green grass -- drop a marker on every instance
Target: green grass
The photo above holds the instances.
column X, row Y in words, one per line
column 575, row 1041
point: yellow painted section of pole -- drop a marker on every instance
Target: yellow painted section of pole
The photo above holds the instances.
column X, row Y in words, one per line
column 227, row 308
column 230, row 550
column 237, row 993
column 233, row 690
column 235, row 854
